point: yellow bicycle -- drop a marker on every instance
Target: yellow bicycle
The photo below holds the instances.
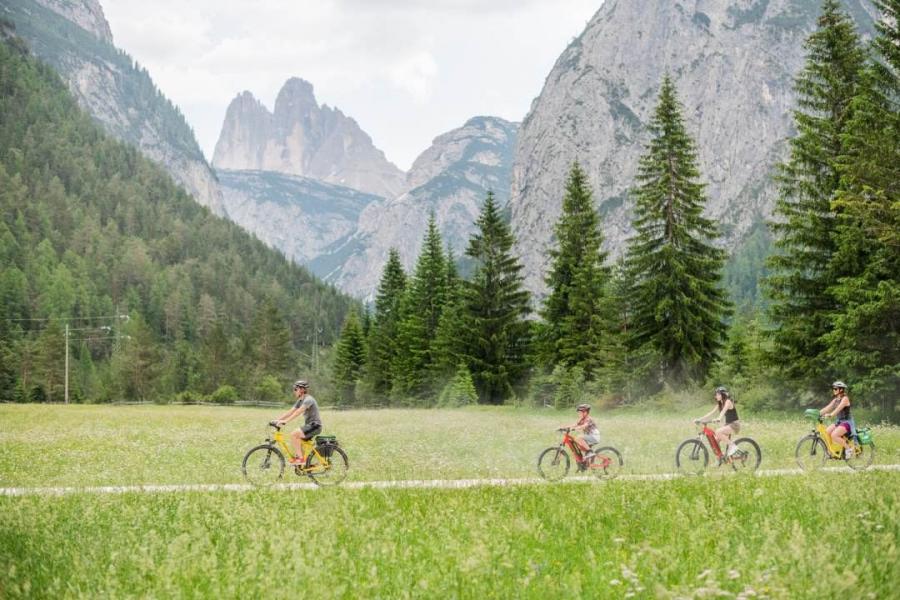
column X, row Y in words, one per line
column 815, row 449
column 325, row 461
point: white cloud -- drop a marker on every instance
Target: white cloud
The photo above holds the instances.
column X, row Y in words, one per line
column 406, row 70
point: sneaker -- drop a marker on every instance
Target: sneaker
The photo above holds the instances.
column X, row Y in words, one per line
column 591, row 454
column 732, row 450
column 296, row 462
column 848, row 453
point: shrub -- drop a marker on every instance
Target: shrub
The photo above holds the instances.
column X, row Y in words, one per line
column 268, row 390
column 226, row 394
column 188, row 397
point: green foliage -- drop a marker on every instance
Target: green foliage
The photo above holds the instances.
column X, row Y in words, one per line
column 569, row 384
column 805, row 229
column 678, row 306
column 350, row 358
column 460, row 391
column 226, row 394
column 576, row 311
column 90, row 228
column 382, row 339
column 270, row 389
column 496, row 306
column 421, row 310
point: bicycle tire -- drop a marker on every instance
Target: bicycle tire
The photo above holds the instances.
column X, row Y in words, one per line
column 863, row 457
column 747, row 457
column 266, row 465
column 811, row 453
column 332, row 472
column 691, row 457
column 553, row 463
column 612, row 467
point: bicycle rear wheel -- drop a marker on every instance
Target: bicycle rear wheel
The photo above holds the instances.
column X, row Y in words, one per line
column 747, row 457
column 607, row 463
column 863, row 456
column 263, row 465
column 553, row 463
column 328, row 471
column 811, row 453
column 691, row 458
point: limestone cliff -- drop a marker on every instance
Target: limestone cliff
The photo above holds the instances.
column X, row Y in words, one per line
column 74, row 37
column 733, row 62
column 302, row 138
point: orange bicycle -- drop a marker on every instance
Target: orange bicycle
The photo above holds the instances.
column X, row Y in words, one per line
column 554, row 463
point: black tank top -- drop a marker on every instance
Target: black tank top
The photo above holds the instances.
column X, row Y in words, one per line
column 731, row 414
column 844, row 415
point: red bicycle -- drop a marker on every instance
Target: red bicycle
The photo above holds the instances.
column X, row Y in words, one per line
column 554, row 463
column 692, row 456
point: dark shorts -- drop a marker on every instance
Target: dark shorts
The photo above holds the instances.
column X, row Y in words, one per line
column 845, row 425
column 310, row 430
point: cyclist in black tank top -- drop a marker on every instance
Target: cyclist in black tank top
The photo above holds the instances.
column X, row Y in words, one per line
column 839, row 407
column 726, row 409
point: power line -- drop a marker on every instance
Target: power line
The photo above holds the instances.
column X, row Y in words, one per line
column 72, row 318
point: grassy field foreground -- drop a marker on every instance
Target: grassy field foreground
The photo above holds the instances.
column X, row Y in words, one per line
column 129, row 445
column 687, row 538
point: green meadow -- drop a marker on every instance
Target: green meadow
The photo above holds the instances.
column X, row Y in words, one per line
column 831, row 534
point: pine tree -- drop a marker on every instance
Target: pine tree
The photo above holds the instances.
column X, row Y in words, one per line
column 496, row 306
column 573, row 331
column 382, row 344
column 270, row 343
column 864, row 344
column 460, row 391
column 451, row 335
column 422, row 306
column 803, row 270
column 679, row 308
column 350, row 359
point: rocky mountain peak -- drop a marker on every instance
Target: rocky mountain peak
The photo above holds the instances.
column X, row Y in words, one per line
column 302, row 138
column 87, row 14
column 733, row 63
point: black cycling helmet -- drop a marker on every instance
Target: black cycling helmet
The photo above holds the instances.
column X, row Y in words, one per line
column 584, row 407
column 301, row 383
column 722, row 390
column 839, row 385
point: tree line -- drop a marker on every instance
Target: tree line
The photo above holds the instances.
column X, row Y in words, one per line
column 658, row 318
column 162, row 299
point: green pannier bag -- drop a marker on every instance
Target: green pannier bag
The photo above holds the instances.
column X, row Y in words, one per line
column 865, row 435
column 812, row 413
column 325, row 445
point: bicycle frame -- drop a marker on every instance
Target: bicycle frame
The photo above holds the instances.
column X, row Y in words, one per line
column 599, row 461
column 306, row 446
column 711, row 438
column 835, row 450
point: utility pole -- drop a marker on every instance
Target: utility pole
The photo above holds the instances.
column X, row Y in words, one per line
column 67, row 362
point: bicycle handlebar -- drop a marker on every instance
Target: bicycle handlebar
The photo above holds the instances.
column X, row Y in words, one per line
column 275, row 425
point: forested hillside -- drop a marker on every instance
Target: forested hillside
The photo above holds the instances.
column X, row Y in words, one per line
column 160, row 296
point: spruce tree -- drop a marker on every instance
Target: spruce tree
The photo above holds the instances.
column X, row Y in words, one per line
column 678, row 305
column 803, row 269
column 421, row 309
column 350, row 359
column 451, row 335
column 573, row 332
column 382, row 344
column 496, row 306
column 864, row 344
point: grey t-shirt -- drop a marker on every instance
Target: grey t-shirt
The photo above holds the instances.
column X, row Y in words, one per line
column 312, row 409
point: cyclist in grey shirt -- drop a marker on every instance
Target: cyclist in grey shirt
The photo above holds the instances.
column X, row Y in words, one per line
column 305, row 405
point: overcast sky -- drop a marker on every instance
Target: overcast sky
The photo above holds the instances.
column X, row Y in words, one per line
column 406, row 70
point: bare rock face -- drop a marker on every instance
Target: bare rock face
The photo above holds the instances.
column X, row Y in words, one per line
column 733, row 63
column 74, row 37
column 302, row 138
column 297, row 215
column 450, row 179
column 87, row 14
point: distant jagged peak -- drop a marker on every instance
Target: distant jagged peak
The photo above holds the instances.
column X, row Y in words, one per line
column 87, row 14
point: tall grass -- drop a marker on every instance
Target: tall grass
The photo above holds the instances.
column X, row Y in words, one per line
column 98, row 445
column 830, row 536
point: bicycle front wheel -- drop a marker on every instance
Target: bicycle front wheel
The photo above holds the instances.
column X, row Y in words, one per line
column 263, row 465
column 328, row 471
column 553, row 463
column 863, row 456
column 691, row 458
column 607, row 463
column 747, row 456
column 811, row 453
